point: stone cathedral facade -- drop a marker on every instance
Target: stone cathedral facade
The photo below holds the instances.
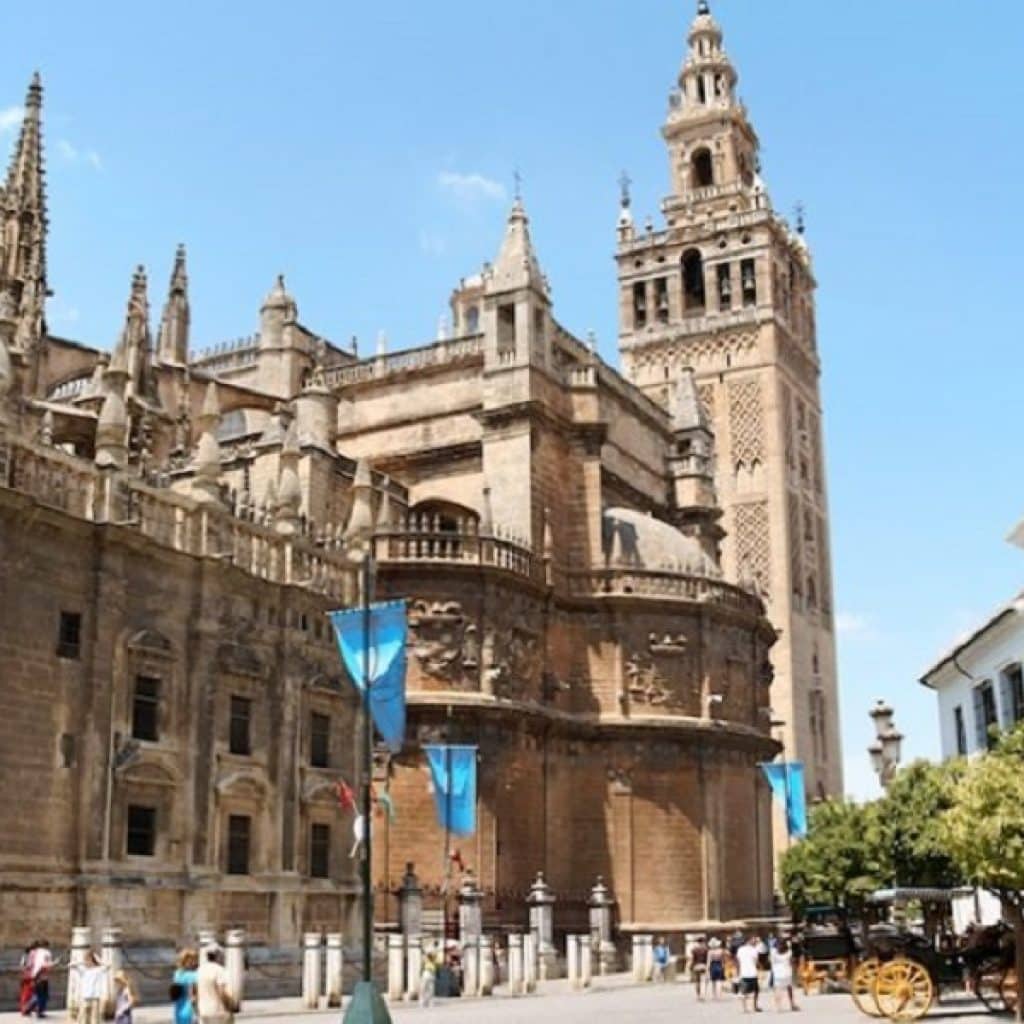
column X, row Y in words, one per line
column 598, row 565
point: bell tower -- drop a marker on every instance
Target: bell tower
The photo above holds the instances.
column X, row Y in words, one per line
column 724, row 291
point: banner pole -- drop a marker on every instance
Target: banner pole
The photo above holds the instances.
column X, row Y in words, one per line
column 367, row 871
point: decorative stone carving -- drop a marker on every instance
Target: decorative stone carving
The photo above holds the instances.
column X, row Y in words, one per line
column 753, row 545
column 746, row 422
column 444, row 642
column 644, row 683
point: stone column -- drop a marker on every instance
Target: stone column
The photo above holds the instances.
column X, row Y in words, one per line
column 572, row 960
column 413, row 966
column 515, row 964
column 486, row 965
column 542, row 925
column 470, row 911
column 311, row 970
column 234, row 943
column 396, row 967
column 334, row 974
column 81, row 942
column 586, row 961
column 529, row 962
column 113, row 957
column 410, row 903
column 601, row 906
column 471, row 967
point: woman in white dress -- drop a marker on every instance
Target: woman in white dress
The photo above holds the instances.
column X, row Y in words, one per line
column 782, row 973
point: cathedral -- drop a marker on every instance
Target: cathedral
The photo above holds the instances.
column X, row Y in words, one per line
column 618, row 581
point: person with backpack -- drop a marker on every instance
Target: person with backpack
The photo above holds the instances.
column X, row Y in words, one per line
column 183, row 987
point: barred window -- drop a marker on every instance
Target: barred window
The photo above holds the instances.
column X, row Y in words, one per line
column 239, row 835
column 146, row 709
column 141, row 831
column 320, row 851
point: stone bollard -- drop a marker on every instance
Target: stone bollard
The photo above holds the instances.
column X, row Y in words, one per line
column 234, row 962
column 636, row 961
column 206, row 937
column 471, row 967
column 530, row 962
column 335, row 968
column 541, row 901
column 648, row 956
column 81, row 942
column 515, row 965
column 572, row 960
column 112, row 956
column 396, row 967
column 602, row 904
column 586, row 961
column 486, row 965
column 311, row 970
column 413, row 966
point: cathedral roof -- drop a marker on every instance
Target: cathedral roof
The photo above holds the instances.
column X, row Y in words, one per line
column 517, row 265
column 640, row 541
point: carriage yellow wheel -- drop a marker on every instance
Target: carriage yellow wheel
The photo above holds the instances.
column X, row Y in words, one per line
column 862, row 987
column 903, row 990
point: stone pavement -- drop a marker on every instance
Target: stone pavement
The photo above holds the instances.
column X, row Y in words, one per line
column 612, row 998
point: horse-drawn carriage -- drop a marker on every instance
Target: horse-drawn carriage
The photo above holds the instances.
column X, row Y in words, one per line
column 898, row 973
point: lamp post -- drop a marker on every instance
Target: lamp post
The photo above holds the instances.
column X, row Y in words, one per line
column 885, row 751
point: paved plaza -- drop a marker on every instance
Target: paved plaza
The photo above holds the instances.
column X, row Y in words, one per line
column 613, row 999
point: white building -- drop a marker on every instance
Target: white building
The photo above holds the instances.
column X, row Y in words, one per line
column 980, row 679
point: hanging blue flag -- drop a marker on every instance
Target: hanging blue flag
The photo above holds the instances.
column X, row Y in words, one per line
column 386, row 663
column 787, row 782
column 453, row 770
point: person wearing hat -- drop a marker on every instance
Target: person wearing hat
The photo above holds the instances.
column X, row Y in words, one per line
column 215, row 1002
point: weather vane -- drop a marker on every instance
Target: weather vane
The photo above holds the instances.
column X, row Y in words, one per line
column 624, row 182
column 518, row 178
column 800, row 212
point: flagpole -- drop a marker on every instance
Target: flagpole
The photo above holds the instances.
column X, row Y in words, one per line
column 447, row 831
column 367, row 865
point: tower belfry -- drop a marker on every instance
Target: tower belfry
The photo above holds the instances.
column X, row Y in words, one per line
column 722, row 298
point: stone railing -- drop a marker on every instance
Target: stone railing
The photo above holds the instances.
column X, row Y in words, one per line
column 70, row 389
column 175, row 521
column 660, row 583
column 441, row 353
column 228, row 355
column 421, row 540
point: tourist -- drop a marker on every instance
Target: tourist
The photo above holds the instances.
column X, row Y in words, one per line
column 183, row 986
column 428, row 978
column 40, row 965
column 92, row 977
column 746, row 963
column 124, row 999
column 698, row 965
column 662, row 956
column 26, row 999
column 214, row 1002
column 782, row 973
column 716, row 966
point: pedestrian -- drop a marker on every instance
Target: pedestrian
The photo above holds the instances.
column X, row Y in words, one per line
column 183, row 987
column 746, row 963
column 782, row 974
column 124, row 999
column 428, row 979
column 698, row 965
column 662, row 955
column 215, row 1002
column 26, row 995
column 92, row 977
column 716, row 966
column 40, row 965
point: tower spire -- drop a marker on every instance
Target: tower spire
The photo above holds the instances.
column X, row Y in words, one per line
column 517, row 265
column 172, row 346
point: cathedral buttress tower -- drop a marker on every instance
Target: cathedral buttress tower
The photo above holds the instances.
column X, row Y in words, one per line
column 726, row 290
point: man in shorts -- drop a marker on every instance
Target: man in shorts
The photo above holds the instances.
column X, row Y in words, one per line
column 698, row 965
column 746, row 962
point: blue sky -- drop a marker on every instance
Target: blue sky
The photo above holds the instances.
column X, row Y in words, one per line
column 368, row 152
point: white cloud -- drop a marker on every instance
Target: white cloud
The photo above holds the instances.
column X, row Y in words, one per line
column 432, row 244
column 73, row 155
column 471, row 188
column 10, row 118
column 849, row 622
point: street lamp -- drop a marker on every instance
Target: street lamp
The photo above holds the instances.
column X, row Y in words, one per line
column 885, row 751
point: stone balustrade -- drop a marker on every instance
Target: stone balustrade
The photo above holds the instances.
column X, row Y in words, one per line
column 55, row 479
column 227, row 355
column 441, row 353
column 661, row 583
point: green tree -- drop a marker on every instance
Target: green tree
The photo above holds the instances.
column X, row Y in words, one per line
column 984, row 831
column 913, row 850
column 839, row 862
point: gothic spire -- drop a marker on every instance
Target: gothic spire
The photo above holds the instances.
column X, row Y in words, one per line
column 517, row 265
column 172, row 346
column 135, row 344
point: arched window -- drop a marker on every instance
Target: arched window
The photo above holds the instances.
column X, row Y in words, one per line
column 693, row 280
column 703, row 169
column 472, row 320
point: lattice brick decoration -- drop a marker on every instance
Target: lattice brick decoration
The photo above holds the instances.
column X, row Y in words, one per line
column 787, row 415
column 796, row 569
column 816, row 454
column 753, row 544
column 746, row 422
column 706, row 394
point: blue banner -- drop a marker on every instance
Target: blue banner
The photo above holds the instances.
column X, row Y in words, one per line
column 787, row 782
column 386, row 663
column 453, row 770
